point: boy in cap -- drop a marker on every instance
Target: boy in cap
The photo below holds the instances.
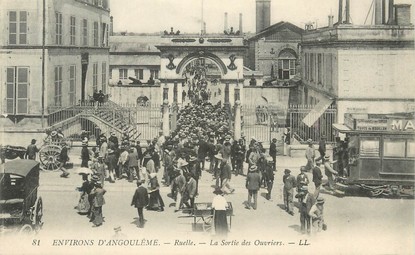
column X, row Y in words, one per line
column 317, row 215
column 329, row 171
column 302, row 178
column 289, row 184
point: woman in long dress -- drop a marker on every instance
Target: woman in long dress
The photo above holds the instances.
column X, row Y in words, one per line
column 219, row 205
column 155, row 202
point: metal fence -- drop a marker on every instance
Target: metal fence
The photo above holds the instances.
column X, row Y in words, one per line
column 270, row 121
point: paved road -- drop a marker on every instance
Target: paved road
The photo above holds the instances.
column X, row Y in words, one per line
column 356, row 224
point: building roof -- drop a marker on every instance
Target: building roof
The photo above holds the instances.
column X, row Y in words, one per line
column 134, row 60
column 277, row 27
column 136, row 43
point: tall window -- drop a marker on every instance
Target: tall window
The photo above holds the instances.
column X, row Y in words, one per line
column 73, row 31
column 72, row 85
column 286, row 64
column 96, row 34
column 95, row 77
column 58, row 29
column 155, row 74
column 312, row 66
column 85, row 32
column 58, row 86
column 17, row 86
column 104, row 35
column 123, row 74
column 319, row 69
column 104, row 77
column 306, row 66
column 139, row 74
column 17, row 27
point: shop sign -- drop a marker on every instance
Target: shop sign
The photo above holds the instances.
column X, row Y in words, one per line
column 401, row 125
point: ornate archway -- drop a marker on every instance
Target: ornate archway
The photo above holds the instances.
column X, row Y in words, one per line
column 201, row 54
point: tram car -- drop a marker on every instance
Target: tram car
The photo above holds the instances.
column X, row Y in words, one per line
column 21, row 209
column 380, row 153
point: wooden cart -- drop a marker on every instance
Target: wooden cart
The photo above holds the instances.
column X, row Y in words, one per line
column 203, row 213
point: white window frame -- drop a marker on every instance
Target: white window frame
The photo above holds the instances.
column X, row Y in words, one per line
column 123, row 73
column 58, row 28
column 104, row 77
column 72, row 84
column 58, row 86
column 95, row 77
column 18, row 102
column 84, row 32
column 21, row 28
column 72, row 29
column 96, row 33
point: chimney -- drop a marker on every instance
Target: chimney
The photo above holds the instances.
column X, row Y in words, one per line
column 226, row 22
column 391, row 20
column 340, row 21
column 240, row 23
column 111, row 26
column 403, row 14
column 347, row 12
column 263, row 14
column 383, row 11
column 378, row 12
column 331, row 18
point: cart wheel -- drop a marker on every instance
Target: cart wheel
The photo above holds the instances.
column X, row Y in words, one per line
column 26, row 230
column 207, row 223
column 49, row 156
column 38, row 214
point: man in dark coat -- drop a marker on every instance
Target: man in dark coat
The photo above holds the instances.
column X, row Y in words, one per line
column 140, row 200
column 307, row 200
column 32, row 150
column 273, row 152
column 317, row 178
column 253, row 183
column 289, row 184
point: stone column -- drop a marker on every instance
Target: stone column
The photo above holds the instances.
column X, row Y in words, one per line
column 226, row 101
column 175, row 108
column 237, row 122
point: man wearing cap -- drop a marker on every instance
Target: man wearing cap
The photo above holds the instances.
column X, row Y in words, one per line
column 289, row 184
column 63, row 158
column 317, row 215
column 85, row 155
column 273, row 152
column 132, row 164
column 302, row 179
column 307, row 200
column 190, row 191
column 122, row 163
column 140, row 200
column 310, row 155
column 114, row 141
column 112, row 164
column 322, row 147
column 225, row 176
column 253, row 183
column 32, row 150
column 180, row 184
column 317, row 177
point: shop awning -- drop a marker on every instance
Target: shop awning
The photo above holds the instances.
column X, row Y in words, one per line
column 317, row 111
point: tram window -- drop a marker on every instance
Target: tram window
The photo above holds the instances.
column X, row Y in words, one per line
column 394, row 148
column 411, row 149
column 369, row 147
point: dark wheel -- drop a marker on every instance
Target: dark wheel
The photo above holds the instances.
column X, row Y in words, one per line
column 376, row 192
column 49, row 157
column 207, row 223
column 38, row 214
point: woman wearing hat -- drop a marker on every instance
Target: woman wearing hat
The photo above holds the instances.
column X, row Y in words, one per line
column 85, row 155
column 97, row 202
column 219, row 206
column 156, row 202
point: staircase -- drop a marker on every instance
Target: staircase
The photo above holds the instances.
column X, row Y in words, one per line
column 109, row 117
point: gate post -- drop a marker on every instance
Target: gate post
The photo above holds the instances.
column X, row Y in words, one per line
column 237, row 122
column 166, row 118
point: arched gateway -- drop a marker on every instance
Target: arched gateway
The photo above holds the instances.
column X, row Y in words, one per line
column 223, row 53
